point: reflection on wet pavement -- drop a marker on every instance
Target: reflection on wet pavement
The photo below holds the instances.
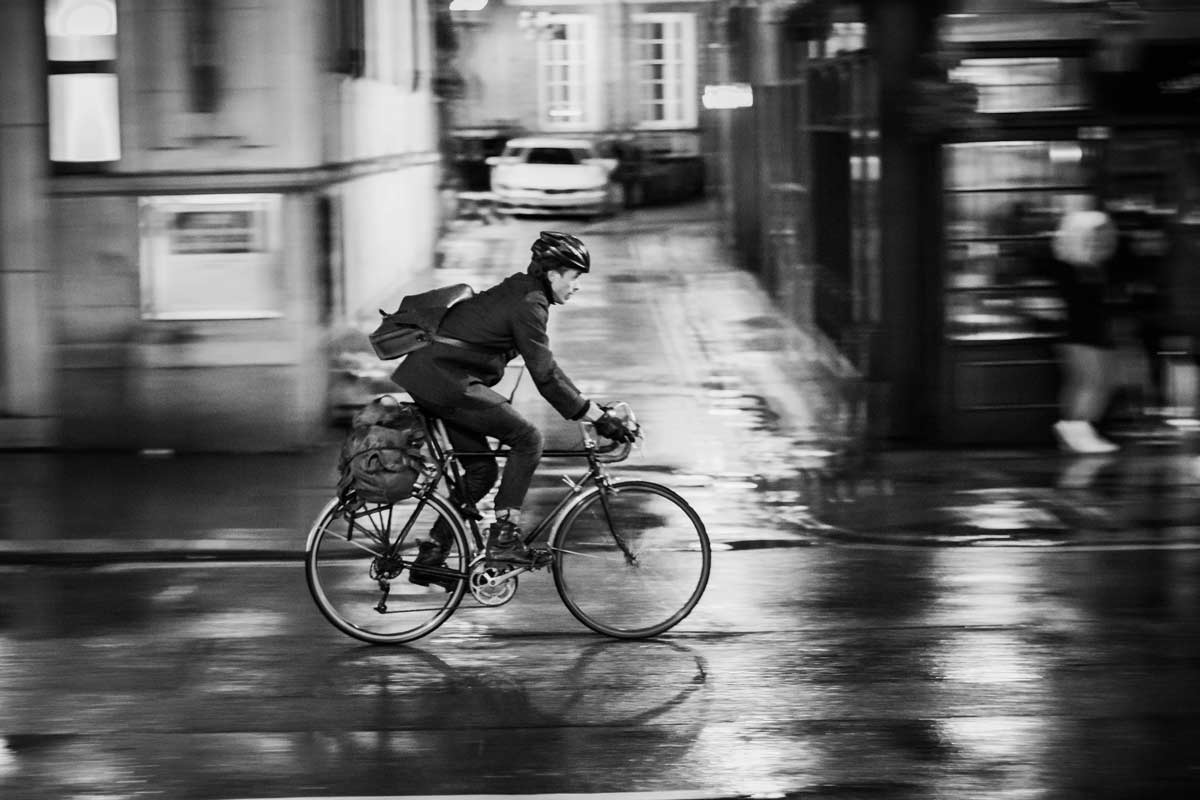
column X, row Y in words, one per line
column 830, row 672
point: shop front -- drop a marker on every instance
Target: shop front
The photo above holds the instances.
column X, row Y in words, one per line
column 1004, row 190
column 921, row 168
column 1060, row 126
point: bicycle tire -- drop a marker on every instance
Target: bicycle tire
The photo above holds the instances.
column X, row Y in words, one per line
column 643, row 595
column 346, row 557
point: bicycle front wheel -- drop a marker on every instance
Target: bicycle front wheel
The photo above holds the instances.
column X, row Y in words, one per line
column 359, row 565
column 631, row 561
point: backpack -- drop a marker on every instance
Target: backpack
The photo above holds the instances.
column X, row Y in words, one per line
column 382, row 458
column 415, row 323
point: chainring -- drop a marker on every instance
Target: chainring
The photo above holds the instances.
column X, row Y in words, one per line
column 487, row 593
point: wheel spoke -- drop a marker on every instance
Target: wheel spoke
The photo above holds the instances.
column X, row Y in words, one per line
column 378, row 553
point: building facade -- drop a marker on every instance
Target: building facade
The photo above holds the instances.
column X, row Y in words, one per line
column 602, row 69
column 908, row 159
column 197, row 193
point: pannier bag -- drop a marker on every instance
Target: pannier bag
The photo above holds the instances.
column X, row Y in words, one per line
column 382, row 458
column 415, row 323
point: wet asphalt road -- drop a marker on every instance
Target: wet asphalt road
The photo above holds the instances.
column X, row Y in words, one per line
column 832, row 671
column 837, row 653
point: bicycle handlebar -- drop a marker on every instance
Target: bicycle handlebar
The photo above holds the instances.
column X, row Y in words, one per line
column 624, row 412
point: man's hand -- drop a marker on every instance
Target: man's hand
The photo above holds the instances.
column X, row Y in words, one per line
column 611, row 427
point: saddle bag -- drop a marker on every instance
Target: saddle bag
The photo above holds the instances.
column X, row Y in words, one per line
column 382, row 458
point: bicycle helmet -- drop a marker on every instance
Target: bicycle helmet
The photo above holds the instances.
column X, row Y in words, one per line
column 564, row 249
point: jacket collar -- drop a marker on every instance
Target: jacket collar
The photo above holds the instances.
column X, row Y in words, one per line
column 537, row 283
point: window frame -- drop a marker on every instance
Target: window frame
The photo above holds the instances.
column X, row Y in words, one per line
column 679, row 28
column 185, row 275
column 586, row 82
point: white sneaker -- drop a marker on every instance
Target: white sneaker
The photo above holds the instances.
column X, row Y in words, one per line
column 1078, row 436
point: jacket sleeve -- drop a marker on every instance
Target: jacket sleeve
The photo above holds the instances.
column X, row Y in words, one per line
column 529, row 333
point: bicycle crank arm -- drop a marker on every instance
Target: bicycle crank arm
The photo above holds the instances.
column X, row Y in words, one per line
column 505, row 577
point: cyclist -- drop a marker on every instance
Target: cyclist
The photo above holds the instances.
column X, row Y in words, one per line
column 455, row 383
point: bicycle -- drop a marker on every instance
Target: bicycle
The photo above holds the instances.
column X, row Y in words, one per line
column 630, row 558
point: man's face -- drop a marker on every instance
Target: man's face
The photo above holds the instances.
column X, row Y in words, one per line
column 563, row 283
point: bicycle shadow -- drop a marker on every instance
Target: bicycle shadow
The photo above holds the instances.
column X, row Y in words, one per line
column 607, row 683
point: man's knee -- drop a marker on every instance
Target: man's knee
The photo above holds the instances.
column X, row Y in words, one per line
column 527, row 439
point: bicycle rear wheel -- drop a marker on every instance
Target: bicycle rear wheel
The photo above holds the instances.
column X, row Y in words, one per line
column 633, row 561
column 358, row 567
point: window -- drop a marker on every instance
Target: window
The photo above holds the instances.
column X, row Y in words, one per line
column 569, row 88
column 204, row 57
column 81, row 48
column 555, row 155
column 380, row 40
column 349, row 36
column 392, row 43
column 1024, row 84
column 664, row 56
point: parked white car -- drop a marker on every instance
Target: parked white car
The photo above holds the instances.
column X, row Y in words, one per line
column 546, row 175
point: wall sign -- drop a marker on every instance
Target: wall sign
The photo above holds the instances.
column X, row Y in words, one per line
column 211, row 257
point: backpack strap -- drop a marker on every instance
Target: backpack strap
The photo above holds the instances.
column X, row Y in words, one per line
column 463, row 345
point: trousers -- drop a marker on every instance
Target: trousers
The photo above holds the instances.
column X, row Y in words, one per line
column 468, row 430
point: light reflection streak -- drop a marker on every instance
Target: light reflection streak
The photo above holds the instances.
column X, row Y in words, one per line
column 8, row 759
column 729, row 486
column 987, row 657
column 1008, row 739
column 758, row 755
column 237, row 624
column 992, row 659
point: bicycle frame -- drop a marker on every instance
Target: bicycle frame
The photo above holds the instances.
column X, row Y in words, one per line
column 447, row 470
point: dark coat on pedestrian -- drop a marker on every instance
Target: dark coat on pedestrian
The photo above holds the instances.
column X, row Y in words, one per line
column 509, row 319
column 1183, row 280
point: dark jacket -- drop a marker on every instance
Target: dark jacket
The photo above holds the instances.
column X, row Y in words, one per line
column 1182, row 279
column 1085, row 294
column 508, row 319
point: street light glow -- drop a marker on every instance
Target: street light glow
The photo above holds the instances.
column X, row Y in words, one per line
column 728, row 95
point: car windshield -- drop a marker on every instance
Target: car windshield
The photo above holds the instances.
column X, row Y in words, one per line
column 555, row 155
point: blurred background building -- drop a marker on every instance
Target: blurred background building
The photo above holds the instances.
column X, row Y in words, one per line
column 901, row 159
column 628, row 76
column 194, row 193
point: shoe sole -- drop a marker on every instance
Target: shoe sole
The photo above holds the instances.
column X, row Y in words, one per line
column 444, row 587
column 432, row 580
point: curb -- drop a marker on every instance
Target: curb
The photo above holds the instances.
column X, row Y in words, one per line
column 82, row 552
